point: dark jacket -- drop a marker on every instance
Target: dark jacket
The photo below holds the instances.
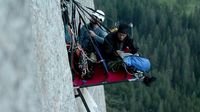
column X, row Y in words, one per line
column 112, row 44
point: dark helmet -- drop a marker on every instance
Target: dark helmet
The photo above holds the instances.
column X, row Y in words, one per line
column 123, row 28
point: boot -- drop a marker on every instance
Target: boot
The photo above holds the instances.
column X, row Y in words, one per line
column 148, row 80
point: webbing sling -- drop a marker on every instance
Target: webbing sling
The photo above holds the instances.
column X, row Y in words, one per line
column 95, row 47
column 84, row 10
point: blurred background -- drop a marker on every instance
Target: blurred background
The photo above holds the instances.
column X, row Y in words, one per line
column 168, row 33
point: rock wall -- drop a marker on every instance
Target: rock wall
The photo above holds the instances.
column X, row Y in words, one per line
column 53, row 71
column 34, row 71
column 17, row 66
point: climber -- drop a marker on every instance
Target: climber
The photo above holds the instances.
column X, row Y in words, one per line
column 94, row 31
column 97, row 32
column 120, row 52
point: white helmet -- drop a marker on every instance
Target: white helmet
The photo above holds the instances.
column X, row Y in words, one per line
column 99, row 14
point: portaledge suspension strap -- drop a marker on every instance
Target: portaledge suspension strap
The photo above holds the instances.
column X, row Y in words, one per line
column 84, row 10
column 95, row 47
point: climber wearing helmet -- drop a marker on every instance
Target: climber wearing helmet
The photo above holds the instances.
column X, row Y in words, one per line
column 95, row 31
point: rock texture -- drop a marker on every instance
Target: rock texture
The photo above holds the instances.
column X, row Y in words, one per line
column 53, row 71
column 17, row 66
column 34, row 71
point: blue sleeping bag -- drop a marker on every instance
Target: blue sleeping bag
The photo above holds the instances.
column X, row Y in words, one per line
column 139, row 63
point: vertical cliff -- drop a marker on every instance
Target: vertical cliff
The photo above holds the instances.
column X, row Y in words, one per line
column 53, row 71
column 34, row 71
column 17, row 65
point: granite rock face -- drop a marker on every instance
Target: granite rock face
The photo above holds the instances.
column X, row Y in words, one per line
column 34, row 71
column 53, row 71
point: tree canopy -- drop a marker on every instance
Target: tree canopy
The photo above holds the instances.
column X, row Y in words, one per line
column 167, row 32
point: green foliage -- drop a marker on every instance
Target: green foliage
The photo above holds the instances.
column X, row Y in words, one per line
column 167, row 32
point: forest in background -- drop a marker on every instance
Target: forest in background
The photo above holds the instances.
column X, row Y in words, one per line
column 168, row 33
